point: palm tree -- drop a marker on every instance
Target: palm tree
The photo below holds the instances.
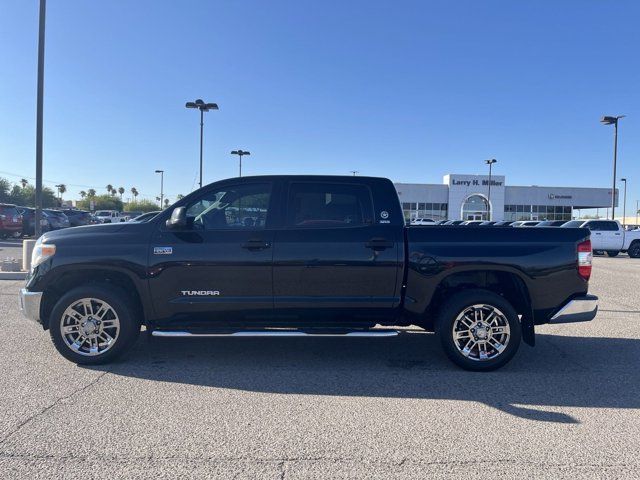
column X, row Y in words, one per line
column 134, row 192
column 109, row 188
column 180, row 196
column 91, row 193
column 166, row 202
column 83, row 194
column 61, row 189
column 120, row 191
column 24, row 182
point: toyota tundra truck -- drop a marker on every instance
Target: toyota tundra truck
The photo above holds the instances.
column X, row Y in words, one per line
column 304, row 256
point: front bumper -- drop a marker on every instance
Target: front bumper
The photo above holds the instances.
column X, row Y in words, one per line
column 30, row 304
column 580, row 309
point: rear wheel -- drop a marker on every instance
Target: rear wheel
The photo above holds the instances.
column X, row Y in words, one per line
column 613, row 253
column 634, row 249
column 93, row 324
column 479, row 330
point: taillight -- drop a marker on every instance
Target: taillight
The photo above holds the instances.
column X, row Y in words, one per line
column 585, row 259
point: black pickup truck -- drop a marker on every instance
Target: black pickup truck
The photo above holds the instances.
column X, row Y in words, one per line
column 304, row 256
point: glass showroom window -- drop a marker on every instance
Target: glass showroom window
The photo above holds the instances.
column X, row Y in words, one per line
column 475, row 207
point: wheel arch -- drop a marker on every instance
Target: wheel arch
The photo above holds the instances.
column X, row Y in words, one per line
column 91, row 275
column 505, row 283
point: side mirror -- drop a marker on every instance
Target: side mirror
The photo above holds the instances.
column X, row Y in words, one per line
column 178, row 218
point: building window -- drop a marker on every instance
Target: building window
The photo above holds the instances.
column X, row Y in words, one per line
column 475, row 207
column 434, row 211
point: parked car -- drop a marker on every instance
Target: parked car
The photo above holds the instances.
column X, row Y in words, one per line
column 78, row 218
column 422, row 221
column 473, row 223
column 10, row 221
column 28, row 221
column 109, row 216
column 551, row 223
column 57, row 220
column 525, row 223
column 145, row 217
column 323, row 255
column 441, row 222
column 609, row 236
column 453, row 222
column 488, row 223
column 504, row 223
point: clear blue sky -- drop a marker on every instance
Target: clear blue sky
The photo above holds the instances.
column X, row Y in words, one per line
column 405, row 89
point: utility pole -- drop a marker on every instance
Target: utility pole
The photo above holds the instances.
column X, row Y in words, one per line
column 39, row 110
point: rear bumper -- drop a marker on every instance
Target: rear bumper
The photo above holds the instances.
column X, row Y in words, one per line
column 30, row 304
column 580, row 309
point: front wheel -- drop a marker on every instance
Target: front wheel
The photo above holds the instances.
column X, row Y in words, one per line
column 93, row 325
column 479, row 330
column 613, row 253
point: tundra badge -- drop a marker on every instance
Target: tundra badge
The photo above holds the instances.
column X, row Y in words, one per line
column 162, row 250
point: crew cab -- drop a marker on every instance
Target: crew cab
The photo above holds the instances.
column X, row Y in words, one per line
column 304, row 256
column 609, row 236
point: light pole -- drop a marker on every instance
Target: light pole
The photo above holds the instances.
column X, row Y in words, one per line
column 624, row 205
column 637, row 211
column 240, row 153
column 203, row 107
column 610, row 120
column 355, row 172
column 39, row 108
column 161, row 172
column 490, row 163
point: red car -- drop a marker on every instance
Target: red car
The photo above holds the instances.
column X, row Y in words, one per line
column 10, row 221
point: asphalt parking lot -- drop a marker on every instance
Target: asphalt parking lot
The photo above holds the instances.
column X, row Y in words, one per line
column 329, row 408
column 11, row 248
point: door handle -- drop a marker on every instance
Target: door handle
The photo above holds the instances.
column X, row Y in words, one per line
column 255, row 244
column 379, row 244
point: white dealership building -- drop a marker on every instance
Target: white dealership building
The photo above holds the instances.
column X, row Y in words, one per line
column 473, row 197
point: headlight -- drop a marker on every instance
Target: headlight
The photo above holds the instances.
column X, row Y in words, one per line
column 41, row 252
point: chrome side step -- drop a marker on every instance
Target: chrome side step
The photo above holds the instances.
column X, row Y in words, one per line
column 274, row 333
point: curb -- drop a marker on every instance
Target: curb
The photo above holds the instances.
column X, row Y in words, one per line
column 13, row 275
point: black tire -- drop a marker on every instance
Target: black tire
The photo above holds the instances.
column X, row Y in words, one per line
column 128, row 332
column 634, row 249
column 455, row 306
column 613, row 253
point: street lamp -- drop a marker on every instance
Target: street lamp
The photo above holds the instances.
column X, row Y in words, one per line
column 624, row 205
column 609, row 120
column 490, row 163
column 240, row 153
column 355, row 172
column 203, row 107
column 161, row 172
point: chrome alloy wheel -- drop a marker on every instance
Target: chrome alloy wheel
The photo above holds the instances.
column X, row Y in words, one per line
column 90, row 326
column 481, row 332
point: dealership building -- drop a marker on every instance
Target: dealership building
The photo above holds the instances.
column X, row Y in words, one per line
column 473, row 197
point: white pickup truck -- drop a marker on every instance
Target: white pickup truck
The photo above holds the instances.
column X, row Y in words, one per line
column 609, row 236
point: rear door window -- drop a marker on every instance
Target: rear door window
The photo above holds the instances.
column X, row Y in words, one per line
column 329, row 205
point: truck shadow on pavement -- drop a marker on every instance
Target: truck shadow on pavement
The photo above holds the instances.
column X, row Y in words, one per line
column 560, row 372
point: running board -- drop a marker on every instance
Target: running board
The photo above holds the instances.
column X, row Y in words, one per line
column 290, row 333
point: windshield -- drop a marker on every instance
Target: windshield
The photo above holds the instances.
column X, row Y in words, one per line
column 103, row 213
column 572, row 224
